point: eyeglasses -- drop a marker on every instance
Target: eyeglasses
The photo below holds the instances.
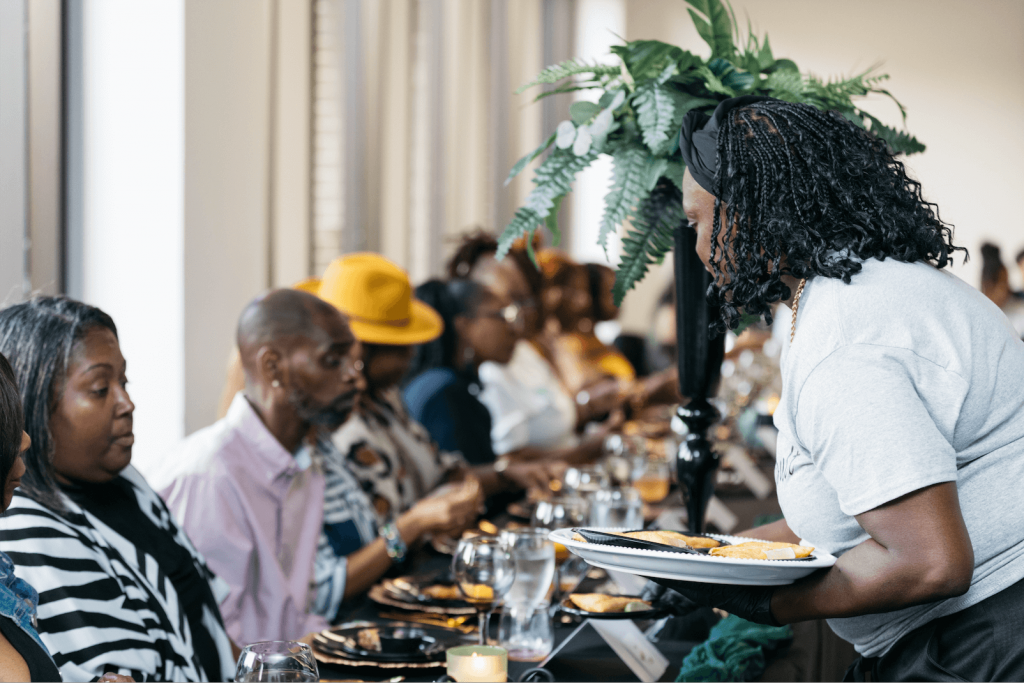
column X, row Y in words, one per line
column 511, row 314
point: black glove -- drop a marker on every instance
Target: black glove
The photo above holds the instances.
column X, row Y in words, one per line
column 753, row 603
column 667, row 600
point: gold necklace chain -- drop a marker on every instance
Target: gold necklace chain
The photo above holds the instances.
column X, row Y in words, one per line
column 796, row 307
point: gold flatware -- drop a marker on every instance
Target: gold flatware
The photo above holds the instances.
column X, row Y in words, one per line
column 487, row 527
column 454, row 623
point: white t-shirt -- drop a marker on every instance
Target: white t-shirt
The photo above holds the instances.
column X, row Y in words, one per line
column 528, row 404
column 905, row 378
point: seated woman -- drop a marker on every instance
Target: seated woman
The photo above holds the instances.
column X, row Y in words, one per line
column 581, row 358
column 23, row 657
column 533, row 414
column 121, row 587
column 391, row 454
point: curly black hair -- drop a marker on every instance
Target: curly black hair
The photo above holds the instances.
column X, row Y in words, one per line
column 810, row 192
column 479, row 244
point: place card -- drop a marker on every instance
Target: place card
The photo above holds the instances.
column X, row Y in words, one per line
column 632, row 647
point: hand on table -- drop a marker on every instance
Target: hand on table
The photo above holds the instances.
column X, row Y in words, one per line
column 752, row 603
column 453, row 509
column 535, row 474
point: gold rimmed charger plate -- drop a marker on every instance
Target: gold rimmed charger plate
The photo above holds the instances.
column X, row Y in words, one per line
column 381, row 596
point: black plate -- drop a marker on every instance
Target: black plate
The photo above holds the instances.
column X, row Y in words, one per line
column 399, row 643
column 568, row 607
column 604, row 538
column 396, row 589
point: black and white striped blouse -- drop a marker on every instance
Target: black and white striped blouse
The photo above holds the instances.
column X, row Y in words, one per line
column 104, row 604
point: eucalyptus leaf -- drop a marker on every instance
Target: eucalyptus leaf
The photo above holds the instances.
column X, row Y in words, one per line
column 584, row 139
column 565, row 135
column 601, row 123
column 581, row 112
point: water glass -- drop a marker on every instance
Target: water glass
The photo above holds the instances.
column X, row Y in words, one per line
column 526, row 632
column 561, row 512
column 618, row 507
column 585, row 479
column 534, row 556
column 277, row 660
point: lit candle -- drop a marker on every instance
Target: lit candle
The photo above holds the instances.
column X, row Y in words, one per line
column 478, row 663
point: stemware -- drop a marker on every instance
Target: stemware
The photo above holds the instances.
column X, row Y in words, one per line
column 277, row 661
column 484, row 571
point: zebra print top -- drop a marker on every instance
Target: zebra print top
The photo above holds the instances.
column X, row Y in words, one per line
column 105, row 605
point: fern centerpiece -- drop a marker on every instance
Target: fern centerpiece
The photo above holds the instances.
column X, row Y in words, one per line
column 637, row 118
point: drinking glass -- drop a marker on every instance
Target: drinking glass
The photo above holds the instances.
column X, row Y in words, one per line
column 653, row 481
column 534, row 555
column 484, row 571
column 617, row 507
column 526, row 633
column 278, row 661
column 560, row 512
column 586, row 478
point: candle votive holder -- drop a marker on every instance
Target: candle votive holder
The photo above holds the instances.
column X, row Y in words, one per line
column 477, row 663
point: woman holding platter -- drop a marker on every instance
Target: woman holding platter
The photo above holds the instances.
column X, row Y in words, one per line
column 901, row 424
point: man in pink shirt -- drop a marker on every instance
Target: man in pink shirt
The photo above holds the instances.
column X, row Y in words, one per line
column 249, row 489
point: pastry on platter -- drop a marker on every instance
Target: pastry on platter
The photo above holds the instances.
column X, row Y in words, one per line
column 369, row 639
column 673, row 538
column 442, row 592
column 763, row 550
column 600, row 603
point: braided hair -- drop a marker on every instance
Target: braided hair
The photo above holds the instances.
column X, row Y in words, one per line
column 810, row 186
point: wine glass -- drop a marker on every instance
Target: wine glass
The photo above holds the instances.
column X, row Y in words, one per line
column 277, row 661
column 484, row 571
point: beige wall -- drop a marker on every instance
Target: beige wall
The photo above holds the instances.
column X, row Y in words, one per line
column 957, row 66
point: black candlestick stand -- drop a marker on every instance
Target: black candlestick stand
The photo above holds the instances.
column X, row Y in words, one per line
column 700, row 367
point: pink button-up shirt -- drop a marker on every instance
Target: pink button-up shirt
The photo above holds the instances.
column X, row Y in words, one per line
column 255, row 512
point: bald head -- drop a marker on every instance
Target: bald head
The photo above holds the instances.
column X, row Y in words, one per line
column 300, row 359
column 285, row 317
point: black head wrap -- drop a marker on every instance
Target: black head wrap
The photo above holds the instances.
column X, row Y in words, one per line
column 698, row 139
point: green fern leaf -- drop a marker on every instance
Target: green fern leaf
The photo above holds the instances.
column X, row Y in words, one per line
column 898, row 141
column 570, row 67
column 521, row 164
column 651, row 236
column 628, row 175
column 656, row 113
column 553, row 179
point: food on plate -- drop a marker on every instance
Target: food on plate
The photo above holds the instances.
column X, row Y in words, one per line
column 600, row 603
column 441, row 592
column 672, row 538
column 477, row 592
column 561, row 553
column 763, row 550
column 369, row 639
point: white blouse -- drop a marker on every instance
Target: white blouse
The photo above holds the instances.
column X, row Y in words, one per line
column 529, row 406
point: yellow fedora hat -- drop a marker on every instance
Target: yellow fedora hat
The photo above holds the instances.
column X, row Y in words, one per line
column 377, row 297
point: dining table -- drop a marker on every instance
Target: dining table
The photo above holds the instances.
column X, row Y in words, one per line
column 589, row 658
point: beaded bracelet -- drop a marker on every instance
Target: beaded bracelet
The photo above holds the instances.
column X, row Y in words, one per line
column 393, row 540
